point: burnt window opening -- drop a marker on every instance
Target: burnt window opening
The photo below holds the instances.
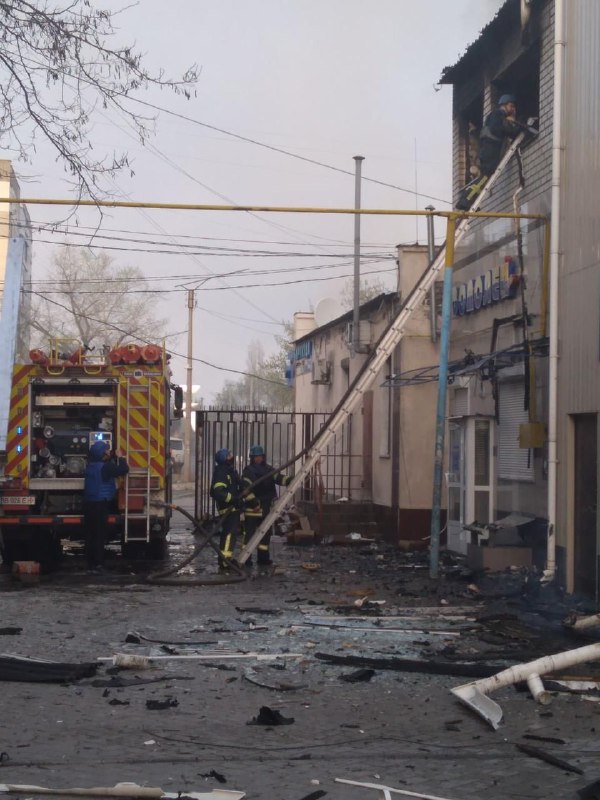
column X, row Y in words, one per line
column 471, row 119
column 522, row 79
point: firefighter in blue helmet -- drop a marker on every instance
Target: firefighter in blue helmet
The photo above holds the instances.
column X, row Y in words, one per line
column 265, row 492
column 225, row 489
column 501, row 124
column 99, row 493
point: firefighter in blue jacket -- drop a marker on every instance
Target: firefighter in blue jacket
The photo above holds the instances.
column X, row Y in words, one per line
column 226, row 489
column 99, row 493
column 265, row 492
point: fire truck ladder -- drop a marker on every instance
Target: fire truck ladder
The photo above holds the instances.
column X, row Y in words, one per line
column 372, row 367
column 137, row 480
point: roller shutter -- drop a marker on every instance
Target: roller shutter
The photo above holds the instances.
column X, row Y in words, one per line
column 514, row 463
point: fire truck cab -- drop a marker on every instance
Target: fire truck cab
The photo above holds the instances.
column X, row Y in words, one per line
column 61, row 403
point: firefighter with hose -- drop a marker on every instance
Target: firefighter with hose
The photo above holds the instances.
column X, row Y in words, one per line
column 257, row 472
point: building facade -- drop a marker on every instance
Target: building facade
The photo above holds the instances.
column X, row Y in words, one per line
column 15, row 276
column 383, row 455
column 523, row 432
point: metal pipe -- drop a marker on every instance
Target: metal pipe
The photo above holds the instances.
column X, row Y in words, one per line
column 538, row 692
column 431, row 256
column 474, row 694
column 386, row 792
column 559, row 53
column 187, row 464
column 440, row 423
column 584, row 623
column 356, row 309
column 390, row 212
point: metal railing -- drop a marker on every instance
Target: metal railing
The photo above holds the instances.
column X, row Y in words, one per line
column 282, row 434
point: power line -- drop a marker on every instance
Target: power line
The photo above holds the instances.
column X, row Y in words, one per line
column 284, row 152
column 220, row 288
column 247, row 139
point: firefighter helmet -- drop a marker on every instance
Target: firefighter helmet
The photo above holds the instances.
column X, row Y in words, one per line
column 257, row 450
column 507, row 98
column 222, row 456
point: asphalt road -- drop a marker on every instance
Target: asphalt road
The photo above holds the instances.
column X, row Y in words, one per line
column 400, row 729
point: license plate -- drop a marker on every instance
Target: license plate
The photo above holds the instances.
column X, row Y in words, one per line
column 17, row 501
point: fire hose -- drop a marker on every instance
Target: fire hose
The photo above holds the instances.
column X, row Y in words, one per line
column 168, row 577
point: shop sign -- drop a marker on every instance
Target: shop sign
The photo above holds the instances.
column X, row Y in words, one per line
column 497, row 284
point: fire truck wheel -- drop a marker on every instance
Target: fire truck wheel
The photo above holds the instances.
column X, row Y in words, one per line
column 46, row 548
column 157, row 549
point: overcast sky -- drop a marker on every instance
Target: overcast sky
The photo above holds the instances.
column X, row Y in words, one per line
column 325, row 79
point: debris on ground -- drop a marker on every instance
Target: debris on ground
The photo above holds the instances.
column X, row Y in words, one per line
column 590, row 792
column 474, row 695
column 10, row 631
column 37, row 670
column 162, row 705
column 214, row 774
column 271, row 717
column 118, row 682
column 412, row 665
column 536, row 752
column 387, row 791
column 359, row 676
column 125, row 789
column 252, row 676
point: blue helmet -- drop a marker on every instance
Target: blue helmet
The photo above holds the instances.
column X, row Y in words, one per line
column 222, row 456
column 98, row 450
column 507, row 98
column 256, row 450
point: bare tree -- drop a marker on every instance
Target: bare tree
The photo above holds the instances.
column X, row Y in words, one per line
column 368, row 290
column 264, row 384
column 89, row 298
column 58, row 61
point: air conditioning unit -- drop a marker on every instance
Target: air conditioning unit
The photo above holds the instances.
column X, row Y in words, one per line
column 321, row 371
column 364, row 336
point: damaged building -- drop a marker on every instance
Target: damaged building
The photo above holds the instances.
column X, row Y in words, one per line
column 522, row 432
column 522, row 426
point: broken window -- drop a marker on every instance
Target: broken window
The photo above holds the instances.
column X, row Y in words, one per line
column 471, row 120
column 522, row 79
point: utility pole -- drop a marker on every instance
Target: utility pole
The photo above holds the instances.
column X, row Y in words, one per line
column 440, row 424
column 356, row 313
column 187, row 464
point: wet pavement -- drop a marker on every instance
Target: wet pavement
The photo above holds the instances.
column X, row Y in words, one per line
column 401, row 729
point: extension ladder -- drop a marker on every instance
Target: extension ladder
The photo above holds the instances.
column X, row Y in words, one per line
column 373, row 366
column 138, row 479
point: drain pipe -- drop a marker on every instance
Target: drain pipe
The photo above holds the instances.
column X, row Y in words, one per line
column 559, row 57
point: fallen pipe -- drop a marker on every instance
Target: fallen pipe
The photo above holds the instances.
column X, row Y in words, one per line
column 582, row 623
column 386, row 792
column 474, row 694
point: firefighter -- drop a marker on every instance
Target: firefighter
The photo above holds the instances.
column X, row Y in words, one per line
column 499, row 125
column 99, row 493
column 226, row 489
column 265, row 492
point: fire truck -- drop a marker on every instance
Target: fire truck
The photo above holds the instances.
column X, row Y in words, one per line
column 62, row 402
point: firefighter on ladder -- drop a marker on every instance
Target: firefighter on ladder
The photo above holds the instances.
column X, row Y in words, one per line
column 499, row 125
column 226, row 489
column 265, row 492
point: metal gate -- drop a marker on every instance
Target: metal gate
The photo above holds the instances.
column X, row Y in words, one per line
column 282, row 434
